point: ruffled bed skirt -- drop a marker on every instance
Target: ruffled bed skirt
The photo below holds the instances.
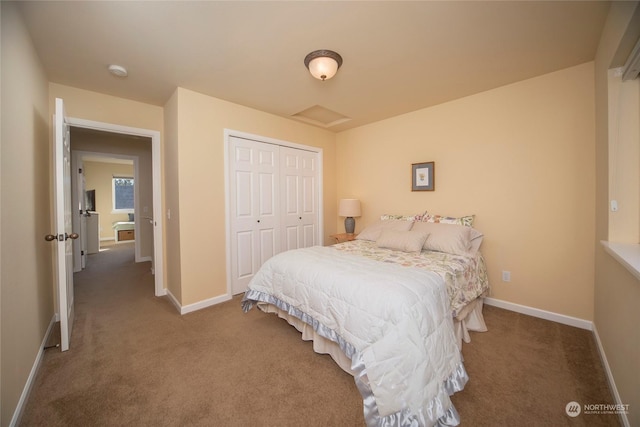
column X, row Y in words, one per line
column 469, row 319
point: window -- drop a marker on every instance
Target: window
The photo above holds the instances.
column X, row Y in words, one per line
column 122, row 194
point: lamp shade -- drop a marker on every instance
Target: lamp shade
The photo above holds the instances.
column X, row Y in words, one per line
column 349, row 207
column 323, row 68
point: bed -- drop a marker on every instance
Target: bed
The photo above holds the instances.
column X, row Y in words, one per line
column 124, row 230
column 390, row 309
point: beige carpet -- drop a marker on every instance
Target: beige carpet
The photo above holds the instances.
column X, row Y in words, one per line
column 134, row 361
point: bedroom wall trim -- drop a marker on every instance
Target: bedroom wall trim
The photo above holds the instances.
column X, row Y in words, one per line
column 542, row 314
column 17, row 415
column 197, row 305
column 624, row 419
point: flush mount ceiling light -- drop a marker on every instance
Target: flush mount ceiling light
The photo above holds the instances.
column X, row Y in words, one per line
column 118, row 70
column 323, row 64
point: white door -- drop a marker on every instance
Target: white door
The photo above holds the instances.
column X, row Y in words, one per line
column 62, row 221
column 298, row 172
column 254, row 205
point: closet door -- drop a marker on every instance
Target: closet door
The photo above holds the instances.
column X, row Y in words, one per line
column 298, row 177
column 254, row 195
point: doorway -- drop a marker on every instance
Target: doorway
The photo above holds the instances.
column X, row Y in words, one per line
column 142, row 147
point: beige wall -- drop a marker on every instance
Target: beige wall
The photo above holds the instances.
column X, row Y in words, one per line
column 617, row 291
column 26, row 285
column 197, row 127
column 520, row 158
column 98, row 177
column 84, row 104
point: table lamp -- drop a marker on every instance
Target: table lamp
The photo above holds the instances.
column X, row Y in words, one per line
column 349, row 208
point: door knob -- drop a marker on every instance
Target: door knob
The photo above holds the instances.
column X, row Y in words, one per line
column 50, row 237
column 73, row 236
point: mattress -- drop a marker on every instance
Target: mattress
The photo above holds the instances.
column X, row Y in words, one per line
column 124, row 225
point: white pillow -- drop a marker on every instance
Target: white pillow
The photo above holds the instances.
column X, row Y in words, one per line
column 405, row 241
column 372, row 232
column 449, row 238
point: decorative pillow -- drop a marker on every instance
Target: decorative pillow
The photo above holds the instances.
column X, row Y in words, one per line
column 372, row 232
column 405, row 241
column 450, row 238
column 402, row 217
column 463, row 220
column 476, row 240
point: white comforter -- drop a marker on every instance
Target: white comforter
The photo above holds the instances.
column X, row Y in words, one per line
column 393, row 322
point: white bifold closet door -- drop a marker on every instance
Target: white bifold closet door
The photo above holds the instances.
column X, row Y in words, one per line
column 274, row 204
column 299, row 210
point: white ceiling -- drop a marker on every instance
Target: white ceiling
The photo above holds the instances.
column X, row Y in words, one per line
column 398, row 56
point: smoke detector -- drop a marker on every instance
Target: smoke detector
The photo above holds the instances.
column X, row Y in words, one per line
column 118, row 70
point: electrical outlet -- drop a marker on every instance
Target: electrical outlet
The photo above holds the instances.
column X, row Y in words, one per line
column 506, row 276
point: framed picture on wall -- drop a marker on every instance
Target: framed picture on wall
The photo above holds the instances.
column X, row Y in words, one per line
column 422, row 176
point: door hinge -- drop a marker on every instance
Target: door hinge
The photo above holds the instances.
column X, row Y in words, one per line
column 79, row 170
column 81, row 253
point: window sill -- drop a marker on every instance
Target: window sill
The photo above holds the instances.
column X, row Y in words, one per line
column 627, row 254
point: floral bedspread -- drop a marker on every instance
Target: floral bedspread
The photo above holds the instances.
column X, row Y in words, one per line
column 465, row 277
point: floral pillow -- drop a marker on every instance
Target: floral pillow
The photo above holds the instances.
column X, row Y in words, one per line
column 467, row 221
column 411, row 218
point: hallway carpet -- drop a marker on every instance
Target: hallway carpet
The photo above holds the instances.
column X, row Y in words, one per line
column 134, row 361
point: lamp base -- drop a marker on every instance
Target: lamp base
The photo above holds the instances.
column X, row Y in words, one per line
column 349, row 225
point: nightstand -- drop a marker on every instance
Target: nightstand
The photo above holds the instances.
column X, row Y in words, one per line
column 343, row 237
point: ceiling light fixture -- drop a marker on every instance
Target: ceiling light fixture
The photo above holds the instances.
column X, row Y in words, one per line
column 118, row 70
column 323, row 64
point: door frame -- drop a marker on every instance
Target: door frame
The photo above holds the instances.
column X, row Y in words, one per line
column 158, row 234
column 228, row 133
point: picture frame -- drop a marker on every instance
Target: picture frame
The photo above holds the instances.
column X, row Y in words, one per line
column 423, row 176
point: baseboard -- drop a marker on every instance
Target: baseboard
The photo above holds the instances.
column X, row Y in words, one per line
column 198, row 305
column 624, row 419
column 17, row 414
column 204, row 304
column 542, row 314
column 174, row 300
